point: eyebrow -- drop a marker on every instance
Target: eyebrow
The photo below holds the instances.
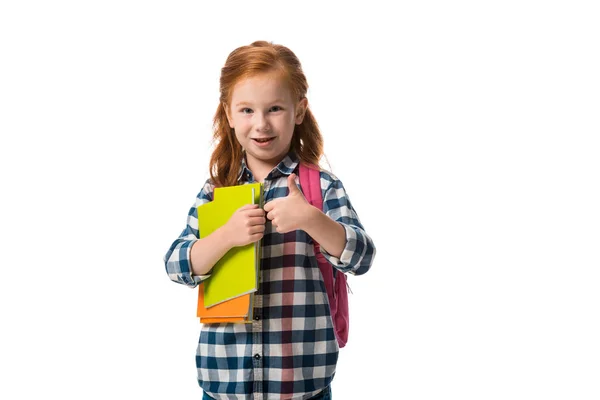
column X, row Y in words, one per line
column 243, row 103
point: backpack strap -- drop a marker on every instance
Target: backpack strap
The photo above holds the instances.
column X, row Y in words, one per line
column 310, row 181
column 335, row 282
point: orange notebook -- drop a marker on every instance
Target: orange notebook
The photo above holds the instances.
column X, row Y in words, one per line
column 238, row 309
column 223, row 320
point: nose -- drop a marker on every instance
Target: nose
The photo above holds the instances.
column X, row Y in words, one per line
column 261, row 122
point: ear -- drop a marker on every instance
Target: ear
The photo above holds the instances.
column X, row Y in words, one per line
column 226, row 108
column 301, row 110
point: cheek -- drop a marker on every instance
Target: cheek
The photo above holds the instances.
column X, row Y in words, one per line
column 286, row 122
column 241, row 124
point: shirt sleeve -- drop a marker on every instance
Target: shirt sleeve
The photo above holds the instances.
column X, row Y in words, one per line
column 358, row 254
column 178, row 258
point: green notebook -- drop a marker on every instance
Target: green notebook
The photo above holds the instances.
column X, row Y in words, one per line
column 236, row 273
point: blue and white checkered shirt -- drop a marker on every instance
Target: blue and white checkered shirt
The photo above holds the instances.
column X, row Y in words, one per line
column 266, row 359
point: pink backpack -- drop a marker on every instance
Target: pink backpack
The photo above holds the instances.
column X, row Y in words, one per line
column 335, row 282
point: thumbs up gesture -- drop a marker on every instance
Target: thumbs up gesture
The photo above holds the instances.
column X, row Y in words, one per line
column 291, row 212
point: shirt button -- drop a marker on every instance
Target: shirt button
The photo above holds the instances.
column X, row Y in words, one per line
column 256, row 318
column 257, row 356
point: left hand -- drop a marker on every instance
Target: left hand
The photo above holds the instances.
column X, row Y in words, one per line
column 291, row 212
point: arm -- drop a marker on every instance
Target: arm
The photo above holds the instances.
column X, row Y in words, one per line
column 206, row 252
column 179, row 258
column 337, row 229
column 190, row 259
column 330, row 235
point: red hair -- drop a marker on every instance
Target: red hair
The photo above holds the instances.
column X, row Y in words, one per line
column 244, row 62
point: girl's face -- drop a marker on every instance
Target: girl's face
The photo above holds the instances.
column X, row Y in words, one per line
column 262, row 108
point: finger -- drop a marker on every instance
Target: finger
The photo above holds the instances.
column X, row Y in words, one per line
column 261, row 220
column 259, row 212
column 271, row 204
column 257, row 236
column 248, row 207
column 292, row 184
column 257, row 229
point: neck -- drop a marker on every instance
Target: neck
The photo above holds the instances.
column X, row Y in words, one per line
column 260, row 172
column 260, row 168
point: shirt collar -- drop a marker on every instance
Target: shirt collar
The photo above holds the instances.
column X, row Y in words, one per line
column 244, row 170
column 285, row 167
column 288, row 164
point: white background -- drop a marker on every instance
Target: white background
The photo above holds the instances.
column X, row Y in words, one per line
column 466, row 134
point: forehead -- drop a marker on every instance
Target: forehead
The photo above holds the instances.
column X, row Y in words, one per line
column 261, row 88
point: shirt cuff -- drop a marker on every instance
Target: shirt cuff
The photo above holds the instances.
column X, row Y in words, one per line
column 196, row 278
column 199, row 278
column 343, row 262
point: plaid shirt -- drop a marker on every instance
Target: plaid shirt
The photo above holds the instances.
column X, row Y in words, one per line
column 289, row 351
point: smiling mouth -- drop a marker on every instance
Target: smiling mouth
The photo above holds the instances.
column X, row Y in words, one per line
column 263, row 140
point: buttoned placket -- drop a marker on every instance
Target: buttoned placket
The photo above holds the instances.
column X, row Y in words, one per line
column 257, row 350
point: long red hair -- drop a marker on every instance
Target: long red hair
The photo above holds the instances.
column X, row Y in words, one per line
column 244, row 62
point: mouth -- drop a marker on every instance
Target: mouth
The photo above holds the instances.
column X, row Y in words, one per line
column 263, row 140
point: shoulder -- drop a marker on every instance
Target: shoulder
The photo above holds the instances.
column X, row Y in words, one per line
column 329, row 182
column 325, row 175
column 329, row 179
column 328, row 176
column 206, row 192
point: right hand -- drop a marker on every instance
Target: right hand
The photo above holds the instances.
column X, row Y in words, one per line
column 246, row 225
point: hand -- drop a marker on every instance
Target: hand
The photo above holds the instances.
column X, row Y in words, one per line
column 288, row 213
column 246, row 225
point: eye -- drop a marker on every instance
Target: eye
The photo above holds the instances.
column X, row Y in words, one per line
column 243, row 110
column 276, row 108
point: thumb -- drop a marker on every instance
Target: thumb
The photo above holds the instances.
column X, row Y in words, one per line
column 292, row 184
